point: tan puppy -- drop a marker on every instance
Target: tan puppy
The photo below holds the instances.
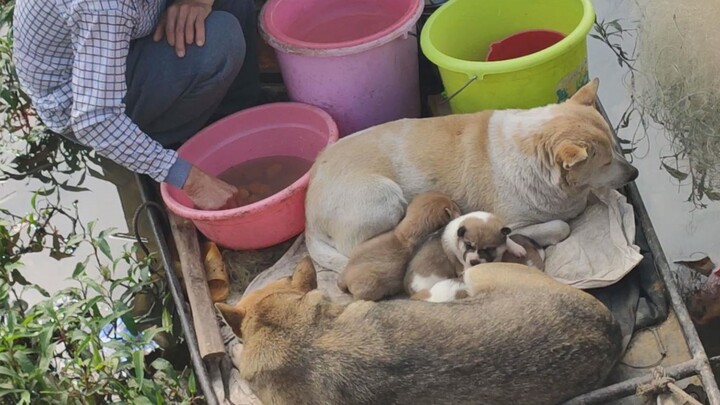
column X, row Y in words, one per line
column 430, row 265
column 531, row 166
column 522, row 334
column 473, row 238
column 377, row 266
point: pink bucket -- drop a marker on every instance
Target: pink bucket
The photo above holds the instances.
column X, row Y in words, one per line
column 278, row 129
column 355, row 59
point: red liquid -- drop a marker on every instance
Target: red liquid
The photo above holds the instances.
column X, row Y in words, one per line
column 522, row 44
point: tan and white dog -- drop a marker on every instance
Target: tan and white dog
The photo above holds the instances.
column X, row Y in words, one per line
column 475, row 238
column 530, row 166
column 470, row 239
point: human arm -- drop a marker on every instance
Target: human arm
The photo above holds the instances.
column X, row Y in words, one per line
column 101, row 39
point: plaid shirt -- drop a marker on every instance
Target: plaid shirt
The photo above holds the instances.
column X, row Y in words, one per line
column 71, row 57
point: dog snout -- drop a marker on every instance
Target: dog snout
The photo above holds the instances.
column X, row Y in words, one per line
column 633, row 173
column 472, row 258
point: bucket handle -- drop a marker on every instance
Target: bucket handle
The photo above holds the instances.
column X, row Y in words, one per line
column 458, row 91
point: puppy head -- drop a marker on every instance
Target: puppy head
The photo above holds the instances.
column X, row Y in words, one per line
column 259, row 306
column 479, row 237
column 577, row 146
column 429, row 212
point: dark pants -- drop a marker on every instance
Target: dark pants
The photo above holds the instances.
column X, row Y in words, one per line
column 172, row 98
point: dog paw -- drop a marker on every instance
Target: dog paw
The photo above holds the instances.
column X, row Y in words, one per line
column 515, row 248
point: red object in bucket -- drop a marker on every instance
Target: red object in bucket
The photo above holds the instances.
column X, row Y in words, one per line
column 522, row 44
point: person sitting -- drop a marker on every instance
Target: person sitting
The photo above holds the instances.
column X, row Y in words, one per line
column 132, row 79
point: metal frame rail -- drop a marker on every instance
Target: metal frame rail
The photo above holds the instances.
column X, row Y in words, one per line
column 148, row 194
column 699, row 364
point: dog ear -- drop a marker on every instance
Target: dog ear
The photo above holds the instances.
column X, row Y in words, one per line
column 570, row 154
column 233, row 315
column 304, row 277
column 452, row 214
column 461, row 231
column 586, row 94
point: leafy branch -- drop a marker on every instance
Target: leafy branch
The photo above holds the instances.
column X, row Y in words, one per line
column 682, row 118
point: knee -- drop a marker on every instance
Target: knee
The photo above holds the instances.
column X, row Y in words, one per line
column 224, row 49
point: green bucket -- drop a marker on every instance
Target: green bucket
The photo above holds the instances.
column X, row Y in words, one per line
column 458, row 36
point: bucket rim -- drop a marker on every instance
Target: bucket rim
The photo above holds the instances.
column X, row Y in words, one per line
column 196, row 214
column 286, row 44
column 481, row 68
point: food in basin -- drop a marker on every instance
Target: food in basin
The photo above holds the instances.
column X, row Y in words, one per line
column 267, row 151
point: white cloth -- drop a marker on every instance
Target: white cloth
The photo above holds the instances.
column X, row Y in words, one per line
column 601, row 247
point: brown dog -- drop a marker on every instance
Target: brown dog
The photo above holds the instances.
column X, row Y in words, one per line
column 376, row 267
column 521, row 338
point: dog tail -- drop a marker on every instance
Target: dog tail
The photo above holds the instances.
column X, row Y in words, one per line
column 323, row 253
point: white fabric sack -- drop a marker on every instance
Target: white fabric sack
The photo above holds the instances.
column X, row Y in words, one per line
column 601, row 247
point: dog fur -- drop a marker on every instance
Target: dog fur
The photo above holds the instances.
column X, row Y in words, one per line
column 531, row 166
column 430, row 265
column 451, row 289
column 520, row 338
column 377, row 266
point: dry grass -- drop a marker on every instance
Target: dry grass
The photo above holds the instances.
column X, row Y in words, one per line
column 678, row 86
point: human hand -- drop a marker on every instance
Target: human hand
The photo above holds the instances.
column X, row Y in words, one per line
column 184, row 23
column 210, row 193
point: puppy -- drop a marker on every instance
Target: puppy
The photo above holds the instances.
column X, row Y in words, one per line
column 474, row 238
column 534, row 253
column 530, row 166
column 517, row 334
column 377, row 266
column 479, row 237
column 430, row 265
column 443, row 291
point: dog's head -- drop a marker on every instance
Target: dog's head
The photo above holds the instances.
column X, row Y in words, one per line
column 267, row 305
column 479, row 237
column 577, row 146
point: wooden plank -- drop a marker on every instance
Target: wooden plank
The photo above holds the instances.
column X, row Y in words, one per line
column 207, row 330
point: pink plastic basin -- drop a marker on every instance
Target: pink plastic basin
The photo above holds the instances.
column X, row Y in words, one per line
column 279, row 129
column 355, row 59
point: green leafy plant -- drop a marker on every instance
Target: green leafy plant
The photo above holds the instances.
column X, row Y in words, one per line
column 92, row 343
column 14, row 104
